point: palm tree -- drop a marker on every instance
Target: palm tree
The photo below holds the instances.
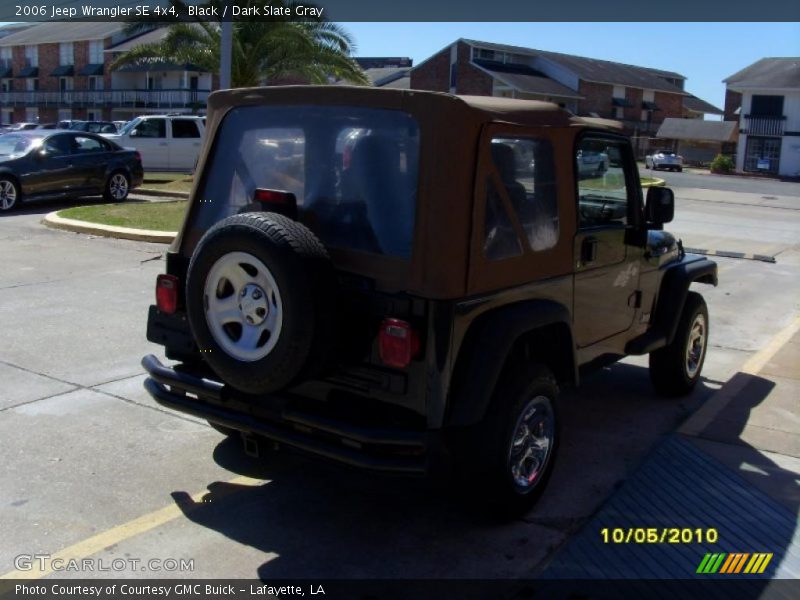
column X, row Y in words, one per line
column 268, row 50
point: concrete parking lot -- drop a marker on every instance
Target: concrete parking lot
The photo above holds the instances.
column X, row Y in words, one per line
column 92, row 467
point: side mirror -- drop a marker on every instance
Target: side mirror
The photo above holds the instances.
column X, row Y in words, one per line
column 40, row 154
column 133, row 133
column 660, row 206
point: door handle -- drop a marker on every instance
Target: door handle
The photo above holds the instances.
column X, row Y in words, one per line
column 588, row 250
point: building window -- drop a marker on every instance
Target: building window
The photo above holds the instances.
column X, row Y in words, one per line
column 619, row 112
column 64, row 114
column 31, row 84
column 96, row 52
column 65, row 84
column 7, row 85
column 453, row 71
column 766, row 106
column 32, row 115
column 5, row 57
column 8, row 115
column 95, row 83
column 31, row 56
column 619, row 91
column 762, row 154
column 93, row 115
column 648, row 96
column 66, row 55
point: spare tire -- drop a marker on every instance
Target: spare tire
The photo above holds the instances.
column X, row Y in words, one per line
column 260, row 298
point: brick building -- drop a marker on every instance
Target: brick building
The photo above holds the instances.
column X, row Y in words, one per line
column 55, row 71
column 640, row 97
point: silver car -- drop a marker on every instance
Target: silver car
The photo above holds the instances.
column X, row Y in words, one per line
column 664, row 159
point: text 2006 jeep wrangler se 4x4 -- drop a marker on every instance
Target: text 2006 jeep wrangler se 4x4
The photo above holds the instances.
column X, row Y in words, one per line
column 402, row 280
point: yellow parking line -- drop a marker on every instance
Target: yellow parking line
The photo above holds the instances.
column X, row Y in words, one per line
column 117, row 534
column 760, row 359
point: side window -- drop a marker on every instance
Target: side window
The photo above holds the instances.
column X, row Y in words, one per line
column 58, row 145
column 524, row 173
column 87, row 144
column 603, row 195
column 152, row 128
column 184, row 128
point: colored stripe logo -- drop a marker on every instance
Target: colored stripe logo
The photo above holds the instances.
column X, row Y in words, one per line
column 734, row 562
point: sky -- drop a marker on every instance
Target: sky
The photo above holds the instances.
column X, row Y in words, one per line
column 705, row 53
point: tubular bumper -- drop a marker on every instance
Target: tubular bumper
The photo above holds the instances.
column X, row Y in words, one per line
column 377, row 449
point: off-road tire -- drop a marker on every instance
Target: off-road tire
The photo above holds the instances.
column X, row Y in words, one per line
column 306, row 283
column 483, row 456
column 668, row 365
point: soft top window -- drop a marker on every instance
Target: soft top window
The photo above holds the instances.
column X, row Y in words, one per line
column 353, row 171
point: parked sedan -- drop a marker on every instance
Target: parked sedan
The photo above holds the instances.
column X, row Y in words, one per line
column 56, row 164
column 664, row 159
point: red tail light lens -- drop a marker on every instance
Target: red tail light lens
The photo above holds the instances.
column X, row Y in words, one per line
column 167, row 293
column 138, row 156
column 274, row 196
column 397, row 343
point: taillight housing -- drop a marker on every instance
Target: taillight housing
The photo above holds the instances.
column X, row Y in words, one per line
column 278, row 201
column 167, row 293
column 398, row 343
column 138, row 156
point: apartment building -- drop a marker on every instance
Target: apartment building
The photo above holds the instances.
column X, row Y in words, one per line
column 764, row 99
column 55, row 71
column 640, row 97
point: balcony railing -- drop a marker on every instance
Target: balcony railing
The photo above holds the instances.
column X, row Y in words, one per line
column 758, row 125
column 107, row 98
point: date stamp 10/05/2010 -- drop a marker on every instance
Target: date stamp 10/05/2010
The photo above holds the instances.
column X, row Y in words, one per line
column 659, row 535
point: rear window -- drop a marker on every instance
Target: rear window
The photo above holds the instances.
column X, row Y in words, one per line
column 353, row 171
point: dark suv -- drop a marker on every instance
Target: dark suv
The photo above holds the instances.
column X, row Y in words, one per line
column 402, row 280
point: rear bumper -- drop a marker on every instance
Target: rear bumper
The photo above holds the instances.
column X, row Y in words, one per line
column 373, row 448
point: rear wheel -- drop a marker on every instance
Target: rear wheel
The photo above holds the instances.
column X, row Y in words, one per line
column 508, row 459
column 9, row 194
column 117, row 187
column 675, row 369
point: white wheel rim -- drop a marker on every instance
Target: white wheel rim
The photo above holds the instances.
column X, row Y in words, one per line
column 531, row 443
column 8, row 195
column 118, row 186
column 243, row 306
column 696, row 346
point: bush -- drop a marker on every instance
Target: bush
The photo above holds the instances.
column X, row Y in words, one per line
column 722, row 164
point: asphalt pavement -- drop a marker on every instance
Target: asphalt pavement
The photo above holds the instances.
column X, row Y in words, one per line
column 93, row 468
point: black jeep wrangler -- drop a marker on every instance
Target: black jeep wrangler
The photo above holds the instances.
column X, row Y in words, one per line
column 402, row 280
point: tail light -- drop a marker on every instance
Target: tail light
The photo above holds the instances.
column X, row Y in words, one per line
column 138, row 156
column 397, row 343
column 167, row 293
column 277, row 201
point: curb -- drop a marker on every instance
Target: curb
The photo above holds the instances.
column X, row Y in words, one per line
column 159, row 193
column 657, row 183
column 126, row 233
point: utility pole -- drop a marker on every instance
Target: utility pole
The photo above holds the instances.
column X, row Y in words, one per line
column 226, row 43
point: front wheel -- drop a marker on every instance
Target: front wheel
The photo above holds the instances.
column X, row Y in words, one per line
column 508, row 459
column 9, row 194
column 117, row 187
column 675, row 369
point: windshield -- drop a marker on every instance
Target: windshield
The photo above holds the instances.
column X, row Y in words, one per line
column 352, row 170
column 16, row 145
column 129, row 125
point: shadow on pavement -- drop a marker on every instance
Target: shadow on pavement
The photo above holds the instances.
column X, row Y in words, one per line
column 320, row 520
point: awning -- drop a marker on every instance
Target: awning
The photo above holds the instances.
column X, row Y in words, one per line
column 620, row 102
column 6, row 72
column 63, row 71
column 650, row 106
column 29, row 72
column 92, row 69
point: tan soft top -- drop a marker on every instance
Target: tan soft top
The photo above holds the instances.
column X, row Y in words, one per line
column 451, row 128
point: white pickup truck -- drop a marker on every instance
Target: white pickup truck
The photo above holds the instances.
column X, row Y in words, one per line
column 166, row 142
